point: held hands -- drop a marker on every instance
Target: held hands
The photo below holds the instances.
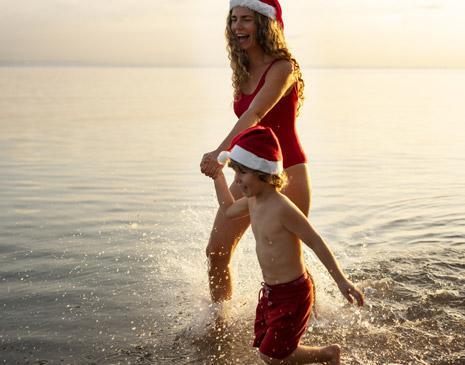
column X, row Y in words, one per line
column 350, row 292
column 209, row 165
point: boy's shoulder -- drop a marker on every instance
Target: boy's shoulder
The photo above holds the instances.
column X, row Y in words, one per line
column 279, row 205
column 285, row 207
column 283, row 204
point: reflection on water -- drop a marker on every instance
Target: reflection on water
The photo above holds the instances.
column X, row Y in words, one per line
column 104, row 217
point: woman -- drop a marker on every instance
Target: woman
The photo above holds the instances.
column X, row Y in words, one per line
column 268, row 90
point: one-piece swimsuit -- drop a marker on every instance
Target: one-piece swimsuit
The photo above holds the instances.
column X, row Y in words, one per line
column 281, row 119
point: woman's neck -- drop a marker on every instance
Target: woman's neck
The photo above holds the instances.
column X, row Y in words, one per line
column 257, row 57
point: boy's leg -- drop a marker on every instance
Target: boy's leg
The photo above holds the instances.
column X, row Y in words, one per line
column 309, row 355
column 223, row 239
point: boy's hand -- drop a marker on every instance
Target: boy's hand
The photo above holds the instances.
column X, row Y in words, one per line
column 209, row 165
column 350, row 292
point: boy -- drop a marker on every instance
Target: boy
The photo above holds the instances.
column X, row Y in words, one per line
column 278, row 226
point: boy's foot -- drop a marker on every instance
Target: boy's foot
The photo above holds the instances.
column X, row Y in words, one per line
column 334, row 354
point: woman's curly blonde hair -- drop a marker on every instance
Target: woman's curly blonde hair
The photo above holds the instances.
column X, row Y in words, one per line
column 270, row 37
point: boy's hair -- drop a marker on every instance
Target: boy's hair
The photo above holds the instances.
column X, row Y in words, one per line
column 279, row 181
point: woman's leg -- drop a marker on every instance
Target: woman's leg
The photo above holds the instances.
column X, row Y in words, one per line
column 298, row 188
column 224, row 237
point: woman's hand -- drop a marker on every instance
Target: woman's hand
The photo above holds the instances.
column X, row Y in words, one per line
column 209, row 165
column 350, row 292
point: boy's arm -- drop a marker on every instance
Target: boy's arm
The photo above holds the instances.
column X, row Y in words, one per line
column 230, row 207
column 297, row 223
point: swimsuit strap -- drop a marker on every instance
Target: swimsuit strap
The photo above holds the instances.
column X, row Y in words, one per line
column 262, row 78
column 268, row 69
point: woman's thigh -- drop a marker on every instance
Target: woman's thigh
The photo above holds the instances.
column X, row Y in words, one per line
column 227, row 232
column 299, row 188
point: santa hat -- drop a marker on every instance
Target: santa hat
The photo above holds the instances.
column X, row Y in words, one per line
column 256, row 148
column 269, row 8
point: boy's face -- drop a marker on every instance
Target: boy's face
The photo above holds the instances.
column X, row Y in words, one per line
column 248, row 181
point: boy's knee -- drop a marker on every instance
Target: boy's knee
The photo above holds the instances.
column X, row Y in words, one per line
column 266, row 359
column 269, row 360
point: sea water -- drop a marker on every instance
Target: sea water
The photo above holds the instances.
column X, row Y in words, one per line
column 104, row 215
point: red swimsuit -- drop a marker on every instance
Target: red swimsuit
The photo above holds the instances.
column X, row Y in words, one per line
column 281, row 119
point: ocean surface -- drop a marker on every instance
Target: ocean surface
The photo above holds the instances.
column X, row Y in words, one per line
column 104, row 215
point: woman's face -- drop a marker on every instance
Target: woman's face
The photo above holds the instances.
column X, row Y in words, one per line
column 243, row 27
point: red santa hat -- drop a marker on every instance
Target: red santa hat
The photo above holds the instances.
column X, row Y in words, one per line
column 269, row 8
column 256, row 148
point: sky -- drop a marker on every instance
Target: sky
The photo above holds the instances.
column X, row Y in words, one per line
column 320, row 33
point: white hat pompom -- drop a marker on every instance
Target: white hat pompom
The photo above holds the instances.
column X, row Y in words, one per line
column 223, row 157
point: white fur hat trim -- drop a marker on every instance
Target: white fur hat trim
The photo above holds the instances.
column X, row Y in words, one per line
column 254, row 162
column 223, row 157
column 257, row 5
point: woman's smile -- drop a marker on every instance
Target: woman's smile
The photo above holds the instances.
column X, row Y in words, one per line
column 242, row 38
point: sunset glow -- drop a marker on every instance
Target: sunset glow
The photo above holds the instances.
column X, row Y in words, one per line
column 353, row 33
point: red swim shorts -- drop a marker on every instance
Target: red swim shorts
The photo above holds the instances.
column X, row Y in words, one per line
column 281, row 317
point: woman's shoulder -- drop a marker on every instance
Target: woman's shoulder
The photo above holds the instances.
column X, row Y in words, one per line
column 282, row 66
column 282, row 70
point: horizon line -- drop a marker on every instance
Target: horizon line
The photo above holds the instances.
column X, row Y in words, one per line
column 80, row 64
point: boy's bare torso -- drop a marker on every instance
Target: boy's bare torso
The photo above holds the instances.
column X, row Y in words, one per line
column 279, row 251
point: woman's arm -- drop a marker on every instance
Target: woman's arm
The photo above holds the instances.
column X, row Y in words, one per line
column 277, row 82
